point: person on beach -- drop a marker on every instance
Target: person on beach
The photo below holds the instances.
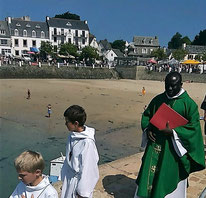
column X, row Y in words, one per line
column 80, row 169
column 170, row 154
column 49, row 110
column 28, row 94
column 203, row 106
column 29, row 166
column 143, row 91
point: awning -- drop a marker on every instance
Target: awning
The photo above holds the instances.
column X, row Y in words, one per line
column 192, row 62
column 34, row 49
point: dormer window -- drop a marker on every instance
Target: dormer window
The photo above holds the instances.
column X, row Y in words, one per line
column 2, row 32
column 24, row 33
column 16, row 32
column 151, row 41
column 143, row 41
column 33, row 33
column 42, row 34
column 37, row 26
column 18, row 25
column 69, row 24
column 28, row 25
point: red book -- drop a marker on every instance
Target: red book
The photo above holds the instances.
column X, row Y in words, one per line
column 165, row 114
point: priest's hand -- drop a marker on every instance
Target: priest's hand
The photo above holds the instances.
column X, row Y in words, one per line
column 151, row 135
column 167, row 131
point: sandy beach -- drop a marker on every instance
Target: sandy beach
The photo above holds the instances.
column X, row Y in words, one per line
column 113, row 107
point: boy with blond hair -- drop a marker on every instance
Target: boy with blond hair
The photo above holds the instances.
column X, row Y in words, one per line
column 29, row 166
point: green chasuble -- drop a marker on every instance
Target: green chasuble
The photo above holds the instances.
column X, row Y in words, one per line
column 162, row 169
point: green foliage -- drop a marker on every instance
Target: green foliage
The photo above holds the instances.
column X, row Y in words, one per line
column 200, row 39
column 179, row 54
column 186, row 40
column 198, row 57
column 204, row 56
column 68, row 49
column 89, row 54
column 46, row 49
column 68, row 15
column 159, row 54
column 176, row 41
column 119, row 44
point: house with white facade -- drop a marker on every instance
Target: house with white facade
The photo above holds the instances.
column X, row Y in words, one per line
column 111, row 55
column 26, row 34
column 93, row 41
column 5, row 39
column 68, row 31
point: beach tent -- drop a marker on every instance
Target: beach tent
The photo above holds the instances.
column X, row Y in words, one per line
column 191, row 62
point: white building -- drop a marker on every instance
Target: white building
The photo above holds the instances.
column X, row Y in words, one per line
column 5, row 39
column 68, row 31
column 26, row 34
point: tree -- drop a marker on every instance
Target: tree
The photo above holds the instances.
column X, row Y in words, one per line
column 198, row 57
column 200, row 39
column 68, row 49
column 176, row 41
column 186, row 40
column 119, row 44
column 204, row 56
column 159, row 54
column 89, row 54
column 68, row 15
column 46, row 49
column 179, row 54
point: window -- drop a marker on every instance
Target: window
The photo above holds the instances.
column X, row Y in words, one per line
column 55, row 39
column 111, row 54
column 3, row 42
column 143, row 41
column 2, row 32
column 62, row 40
column 16, row 42
column 55, row 31
column 76, row 41
column 62, row 31
column 69, row 24
column 28, row 25
column 83, row 41
column 151, row 41
column 18, row 25
column 144, row 51
column 24, row 33
column 24, row 43
column 33, row 43
column 17, row 52
column 76, row 32
column 83, row 33
column 33, row 33
column 16, row 32
column 69, row 40
column 42, row 34
column 38, row 26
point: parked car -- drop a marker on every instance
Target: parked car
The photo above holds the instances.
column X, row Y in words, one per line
column 26, row 57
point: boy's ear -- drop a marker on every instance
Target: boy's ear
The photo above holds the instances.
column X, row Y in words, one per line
column 38, row 172
column 76, row 123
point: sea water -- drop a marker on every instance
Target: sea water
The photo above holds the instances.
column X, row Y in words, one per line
column 18, row 137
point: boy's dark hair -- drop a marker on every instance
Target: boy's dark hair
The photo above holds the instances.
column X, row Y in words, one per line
column 76, row 113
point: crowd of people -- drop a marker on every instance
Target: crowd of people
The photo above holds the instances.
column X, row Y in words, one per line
column 170, row 153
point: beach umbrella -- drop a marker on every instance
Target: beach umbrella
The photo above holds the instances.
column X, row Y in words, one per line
column 152, row 61
column 191, row 62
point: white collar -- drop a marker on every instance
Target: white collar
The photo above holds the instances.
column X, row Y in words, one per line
column 180, row 93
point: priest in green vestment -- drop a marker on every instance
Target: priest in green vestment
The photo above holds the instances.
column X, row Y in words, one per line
column 170, row 154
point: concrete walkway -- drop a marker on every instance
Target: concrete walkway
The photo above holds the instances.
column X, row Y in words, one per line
column 117, row 179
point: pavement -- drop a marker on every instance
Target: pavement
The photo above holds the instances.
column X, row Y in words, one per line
column 117, row 179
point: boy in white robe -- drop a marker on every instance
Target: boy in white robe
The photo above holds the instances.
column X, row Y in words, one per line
column 80, row 170
column 34, row 184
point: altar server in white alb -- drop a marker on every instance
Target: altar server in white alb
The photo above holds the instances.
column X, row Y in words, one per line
column 34, row 184
column 80, row 170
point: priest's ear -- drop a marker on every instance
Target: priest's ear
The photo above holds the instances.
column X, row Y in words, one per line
column 38, row 172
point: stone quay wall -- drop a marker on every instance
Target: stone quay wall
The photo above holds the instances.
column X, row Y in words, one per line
column 72, row 72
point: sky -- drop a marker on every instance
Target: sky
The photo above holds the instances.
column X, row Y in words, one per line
column 120, row 19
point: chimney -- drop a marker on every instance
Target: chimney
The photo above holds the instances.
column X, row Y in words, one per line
column 26, row 18
column 85, row 22
column 184, row 46
column 8, row 19
column 47, row 18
